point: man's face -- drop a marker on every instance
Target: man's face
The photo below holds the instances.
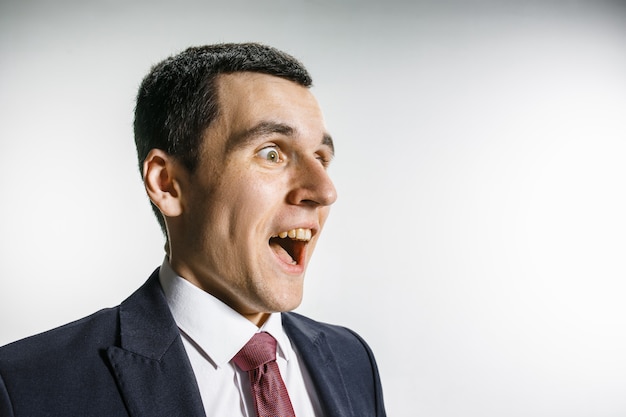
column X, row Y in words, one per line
column 255, row 206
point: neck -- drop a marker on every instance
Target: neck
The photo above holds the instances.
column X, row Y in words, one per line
column 257, row 318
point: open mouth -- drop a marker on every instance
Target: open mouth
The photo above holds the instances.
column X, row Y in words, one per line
column 289, row 246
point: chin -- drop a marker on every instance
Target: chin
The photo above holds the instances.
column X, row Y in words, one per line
column 286, row 303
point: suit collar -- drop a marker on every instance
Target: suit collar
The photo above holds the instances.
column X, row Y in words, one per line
column 156, row 379
column 147, row 327
column 321, row 362
column 151, row 366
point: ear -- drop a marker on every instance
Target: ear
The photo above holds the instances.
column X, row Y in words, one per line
column 160, row 177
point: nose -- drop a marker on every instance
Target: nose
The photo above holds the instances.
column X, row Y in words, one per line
column 312, row 186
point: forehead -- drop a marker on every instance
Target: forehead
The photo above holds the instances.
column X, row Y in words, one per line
column 248, row 98
column 249, row 103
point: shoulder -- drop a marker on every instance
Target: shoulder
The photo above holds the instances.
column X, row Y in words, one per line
column 90, row 329
column 343, row 341
column 338, row 360
column 62, row 371
column 66, row 371
column 313, row 328
column 92, row 333
column 87, row 334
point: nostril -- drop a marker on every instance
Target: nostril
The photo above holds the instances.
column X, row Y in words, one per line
column 310, row 202
column 313, row 187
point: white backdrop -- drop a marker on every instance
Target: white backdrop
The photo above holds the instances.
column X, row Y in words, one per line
column 478, row 241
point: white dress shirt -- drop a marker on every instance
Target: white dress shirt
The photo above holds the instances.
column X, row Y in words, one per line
column 213, row 333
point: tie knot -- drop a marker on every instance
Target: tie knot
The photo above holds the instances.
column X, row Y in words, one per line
column 259, row 350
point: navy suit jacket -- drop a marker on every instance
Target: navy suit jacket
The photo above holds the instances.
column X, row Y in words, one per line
column 130, row 361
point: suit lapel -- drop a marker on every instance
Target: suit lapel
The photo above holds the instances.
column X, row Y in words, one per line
column 151, row 366
column 321, row 363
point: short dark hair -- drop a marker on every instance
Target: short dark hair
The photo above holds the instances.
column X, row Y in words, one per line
column 177, row 100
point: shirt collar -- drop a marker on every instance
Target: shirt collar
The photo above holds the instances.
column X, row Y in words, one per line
column 216, row 329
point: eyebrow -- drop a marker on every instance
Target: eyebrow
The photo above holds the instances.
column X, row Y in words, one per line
column 328, row 141
column 267, row 128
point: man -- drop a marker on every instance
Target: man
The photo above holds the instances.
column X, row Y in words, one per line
column 234, row 152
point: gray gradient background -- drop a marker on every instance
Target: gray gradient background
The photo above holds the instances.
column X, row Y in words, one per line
column 479, row 238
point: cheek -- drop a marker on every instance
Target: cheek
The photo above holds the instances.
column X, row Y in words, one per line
column 258, row 194
column 247, row 210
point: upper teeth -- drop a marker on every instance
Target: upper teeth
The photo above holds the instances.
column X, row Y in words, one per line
column 297, row 234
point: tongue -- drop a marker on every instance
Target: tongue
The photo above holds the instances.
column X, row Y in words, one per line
column 281, row 253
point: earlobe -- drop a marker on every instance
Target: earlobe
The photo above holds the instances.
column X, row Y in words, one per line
column 162, row 185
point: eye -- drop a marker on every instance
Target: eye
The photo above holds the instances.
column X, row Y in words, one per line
column 324, row 159
column 270, row 154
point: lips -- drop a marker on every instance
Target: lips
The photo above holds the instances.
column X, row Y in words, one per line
column 290, row 245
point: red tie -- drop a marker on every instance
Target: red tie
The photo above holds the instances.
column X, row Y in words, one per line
column 258, row 359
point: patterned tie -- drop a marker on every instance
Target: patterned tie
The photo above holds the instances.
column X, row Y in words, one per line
column 258, row 359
